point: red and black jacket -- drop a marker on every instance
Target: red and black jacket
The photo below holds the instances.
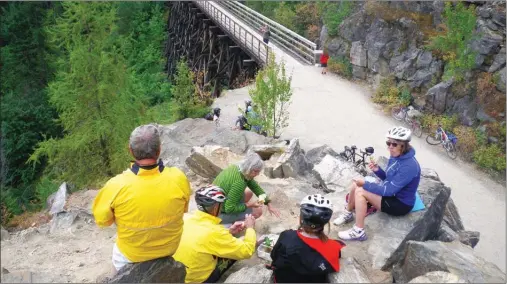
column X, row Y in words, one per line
column 299, row 259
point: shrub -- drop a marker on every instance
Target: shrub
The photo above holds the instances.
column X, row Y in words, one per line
column 430, row 122
column 44, row 188
column 490, row 157
column 334, row 13
column 391, row 95
column 468, row 142
column 341, row 66
column 453, row 44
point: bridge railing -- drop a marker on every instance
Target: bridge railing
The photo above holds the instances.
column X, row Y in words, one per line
column 291, row 42
column 255, row 47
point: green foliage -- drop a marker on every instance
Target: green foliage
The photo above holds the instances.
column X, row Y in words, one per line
column 490, row 157
column 453, row 45
column 430, row 122
column 44, row 188
column 334, row 13
column 186, row 103
column 285, row 16
column 340, row 65
column 26, row 114
column 97, row 115
column 391, row 95
column 271, row 96
column 266, row 8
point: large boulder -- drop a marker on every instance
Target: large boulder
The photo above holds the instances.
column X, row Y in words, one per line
column 255, row 274
column 502, row 76
column 267, row 151
column 161, row 270
column 209, row 160
column 26, row 276
column 437, row 97
column 350, row 272
column 456, row 258
column 358, row 54
column 336, row 173
column 498, row 61
column 438, row 277
column 292, row 163
column 315, row 154
column 179, row 138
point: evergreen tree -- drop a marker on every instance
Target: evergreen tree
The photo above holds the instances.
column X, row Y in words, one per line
column 97, row 102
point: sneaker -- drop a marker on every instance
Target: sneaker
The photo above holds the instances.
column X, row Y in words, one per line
column 343, row 218
column 353, row 234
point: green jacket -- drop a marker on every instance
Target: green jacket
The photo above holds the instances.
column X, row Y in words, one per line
column 232, row 181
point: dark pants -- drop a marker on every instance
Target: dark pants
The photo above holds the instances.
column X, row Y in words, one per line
column 266, row 40
column 222, row 265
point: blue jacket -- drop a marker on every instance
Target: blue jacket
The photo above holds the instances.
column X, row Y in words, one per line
column 401, row 178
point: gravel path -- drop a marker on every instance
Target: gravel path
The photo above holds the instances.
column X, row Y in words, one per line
column 327, row 109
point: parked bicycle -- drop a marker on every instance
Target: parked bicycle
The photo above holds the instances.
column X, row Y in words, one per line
column 447, row 139
column 360, row 164
column 401, row 113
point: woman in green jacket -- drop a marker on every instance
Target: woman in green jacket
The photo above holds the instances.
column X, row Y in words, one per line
column 234, row 180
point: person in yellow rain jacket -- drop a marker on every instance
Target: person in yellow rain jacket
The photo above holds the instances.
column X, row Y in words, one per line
column 146, row 201
column 207, row 248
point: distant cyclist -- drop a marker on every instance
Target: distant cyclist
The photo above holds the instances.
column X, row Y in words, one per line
column 214, row 115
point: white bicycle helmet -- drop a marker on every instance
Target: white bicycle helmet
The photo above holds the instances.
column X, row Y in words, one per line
column 399, row 133
column 316, row 211
column 209, row 195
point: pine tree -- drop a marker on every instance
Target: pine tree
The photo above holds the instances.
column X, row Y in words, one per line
column 97, row 102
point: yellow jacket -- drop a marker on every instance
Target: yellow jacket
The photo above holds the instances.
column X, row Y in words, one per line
column 147, row 206
column 203, row 238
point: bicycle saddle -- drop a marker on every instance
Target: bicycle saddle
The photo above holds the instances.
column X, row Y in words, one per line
column 369, row 150
column 353, row 147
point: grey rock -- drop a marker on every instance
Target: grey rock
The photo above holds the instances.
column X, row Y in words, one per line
column 446, row 234
column 358, row 54
column 359, row 72
column 438, row 277
column 405, row 67
column 32, row 277
column 323, row 37
column 436, row 97
column 438, row 7
column 266, row 151
column 491, row 25
column 62, row 221
column 338, row 47
column 254, row 274
column 315, row 155
column 179, row 138
column 469, row 238
column 336, row 173
column 56, row 201
column 466, row 108
column 492, row 140
column 200, row 165
column 292, row 163
column 455, row 258
column 484, row 12
column 424, row 60
column 4, row 234
column 498, row 62
column 430, row 173
column 500, row 85
column 482, row 116
column 452, row 217
column 499, row 18
column 355, row 27
column 487, row 41
column 161, row 270
column 425, row 228
column 350, row 272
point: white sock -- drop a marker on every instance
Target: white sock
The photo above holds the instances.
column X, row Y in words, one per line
column 357, row 229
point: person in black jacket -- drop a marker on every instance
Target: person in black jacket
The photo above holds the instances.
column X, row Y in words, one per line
column 307, row 255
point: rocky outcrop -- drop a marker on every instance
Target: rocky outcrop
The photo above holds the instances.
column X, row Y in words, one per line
column 438, row 277
column 256, row 274
column 336, row 173
column 350, row 272
column 56, row 201
column 292, row 163
column 162, row 270
column 31, row 277
column 390, row 38
column 456, row 258
column 209, row 160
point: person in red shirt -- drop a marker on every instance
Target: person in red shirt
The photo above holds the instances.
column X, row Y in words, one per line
column 323, row 62
column 307, row 255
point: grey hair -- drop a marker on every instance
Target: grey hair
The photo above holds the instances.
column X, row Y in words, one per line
column 251, row 162
column 145, row 142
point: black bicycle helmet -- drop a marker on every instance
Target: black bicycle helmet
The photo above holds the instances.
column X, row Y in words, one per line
column 208, row 196
column 316, row 211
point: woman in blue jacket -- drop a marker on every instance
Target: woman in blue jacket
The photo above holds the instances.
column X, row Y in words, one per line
column 395, row 195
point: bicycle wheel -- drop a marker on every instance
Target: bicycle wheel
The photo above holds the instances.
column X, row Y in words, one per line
column 434, row 139
column 398, row 113
column 346, row 154
column 416, row 128
column 451, row 150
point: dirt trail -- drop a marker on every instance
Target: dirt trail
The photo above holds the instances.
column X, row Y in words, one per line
column 330, row 110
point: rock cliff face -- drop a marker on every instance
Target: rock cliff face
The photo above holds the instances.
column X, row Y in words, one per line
column 389, row 38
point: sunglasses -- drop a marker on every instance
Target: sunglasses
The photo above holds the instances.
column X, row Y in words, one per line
column 394, row 144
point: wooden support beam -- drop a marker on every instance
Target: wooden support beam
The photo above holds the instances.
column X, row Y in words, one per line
column 248, row 62
column 234, row 47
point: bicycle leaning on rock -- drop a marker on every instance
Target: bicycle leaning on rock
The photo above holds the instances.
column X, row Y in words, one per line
column 447, row 139
column 360, row 164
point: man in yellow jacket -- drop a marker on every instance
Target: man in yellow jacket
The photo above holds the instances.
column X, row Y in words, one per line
column 205, row 240
column 146, row 201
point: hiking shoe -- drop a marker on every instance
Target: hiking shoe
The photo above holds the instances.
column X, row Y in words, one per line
column 343, row 218
column 353, row 234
